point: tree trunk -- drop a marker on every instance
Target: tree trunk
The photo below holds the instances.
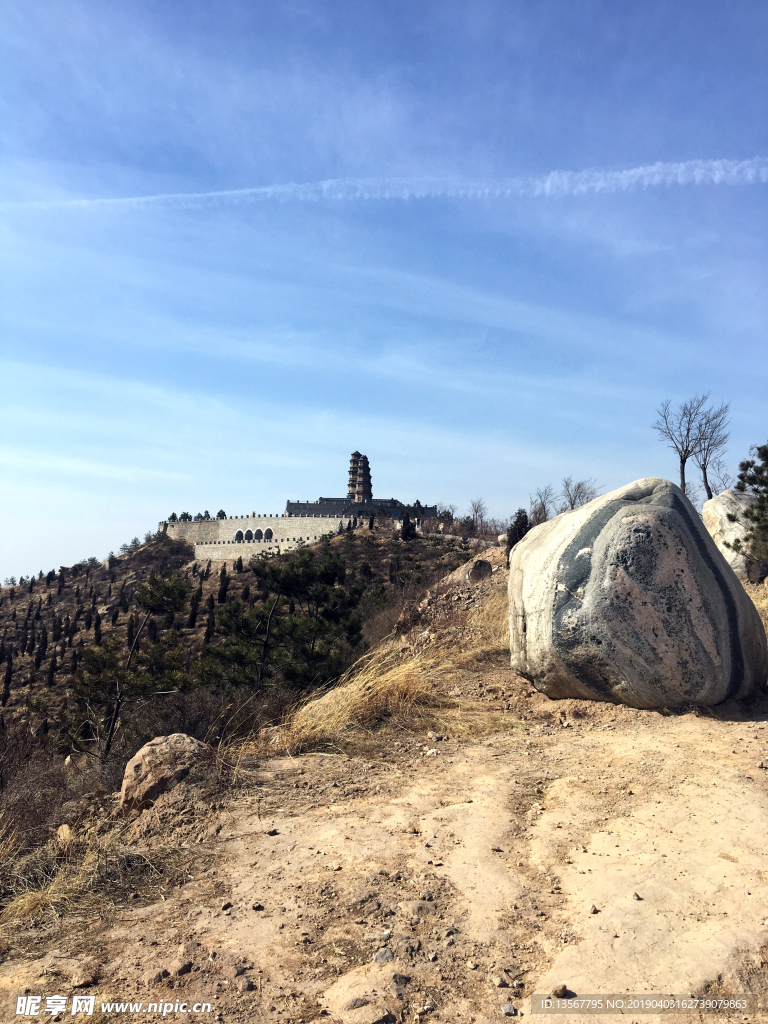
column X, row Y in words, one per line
column 682, row 475
column 707, row 488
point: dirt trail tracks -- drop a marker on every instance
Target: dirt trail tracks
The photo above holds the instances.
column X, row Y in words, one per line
column 599, row 847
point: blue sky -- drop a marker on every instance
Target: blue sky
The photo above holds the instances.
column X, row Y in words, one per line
column 479, row 242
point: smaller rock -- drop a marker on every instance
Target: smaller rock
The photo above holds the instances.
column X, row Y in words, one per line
column 357, row 1003
column 593, row 909
column 560, row 991
column 400, row 979
column 508, row 1010
column 272, row 832
column 159, row 766
column 498, row 981
column 636, row 897
column 226, row 905
column 384, row 956
column 243, row 984
column 64, row 834
column 257, row 906
column 432, row 957
column 180, row 967
column 83, row 977
column 154, row 977
column 478, row 571
column 471, row 965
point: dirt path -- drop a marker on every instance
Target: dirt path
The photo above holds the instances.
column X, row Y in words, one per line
column 441, row 886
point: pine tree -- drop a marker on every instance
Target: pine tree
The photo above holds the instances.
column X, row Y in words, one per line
column 97, row 630
column 51, row 669
column 210, row 627
column 43, row 643
column 753, row 480
column 88, row 618
column 239, row 564
column 115, row 615
column 130, row 632
column 224, row 582
column 31, row 641
column 7, row 679
column 517, row 529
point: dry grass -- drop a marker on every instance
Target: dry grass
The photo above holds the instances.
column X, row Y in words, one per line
column 488, row 624
column 404, row 680
column 86, row 875
column 759, row 594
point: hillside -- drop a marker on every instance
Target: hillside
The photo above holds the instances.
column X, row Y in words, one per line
column 433, row 840
column 52, row 629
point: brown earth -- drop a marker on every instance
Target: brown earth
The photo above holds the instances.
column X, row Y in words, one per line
column 398, row 876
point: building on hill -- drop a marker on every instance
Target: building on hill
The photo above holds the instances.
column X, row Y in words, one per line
column 303, row 522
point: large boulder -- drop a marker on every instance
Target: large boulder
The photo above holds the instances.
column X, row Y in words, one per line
column 724, row 519
column 627, row 599
column 160, row 765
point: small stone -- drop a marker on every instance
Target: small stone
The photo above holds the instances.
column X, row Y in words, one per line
column 64, row 833
column 226, row 905
column 154, row 977
column 384, row 956
column 496, row 849
column 498, row 981
column 594, row 910
column 400, row 979
column 560, row 991
column 272, row 832
column 82, row 978
column 471, row 965
column 508, row 1010
column 257, row 906
column 636, row 897
column 356, row 1004
column 432, row 957
column 243, row 984
column 180, row 967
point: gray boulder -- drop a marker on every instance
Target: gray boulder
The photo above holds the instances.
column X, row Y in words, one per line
column 628, row 600
column 724, row 519
column 478, row 571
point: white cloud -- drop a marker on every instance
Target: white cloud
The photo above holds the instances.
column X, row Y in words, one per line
column 554, row 185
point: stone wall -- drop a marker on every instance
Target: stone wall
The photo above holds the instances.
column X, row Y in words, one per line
column 225, row 539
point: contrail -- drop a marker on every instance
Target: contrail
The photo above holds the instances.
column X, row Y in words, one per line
column 553, row 185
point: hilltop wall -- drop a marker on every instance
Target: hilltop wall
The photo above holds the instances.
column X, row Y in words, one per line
column 220, row 539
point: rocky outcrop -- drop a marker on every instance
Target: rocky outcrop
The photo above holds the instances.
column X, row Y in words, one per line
column 627, row 599
column 724, row 519
column 160, row 765
column 478, row 571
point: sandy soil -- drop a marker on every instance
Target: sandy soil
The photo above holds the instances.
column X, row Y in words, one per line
column 597, row 847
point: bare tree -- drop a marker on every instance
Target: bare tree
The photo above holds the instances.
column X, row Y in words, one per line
column 713, row 438
column 577, row 492
column 722, row 478
column 478, row 510
column 681, row 428
column 542, row 505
